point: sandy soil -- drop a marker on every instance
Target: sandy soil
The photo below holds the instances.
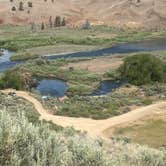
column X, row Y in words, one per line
column 94, row 127
column 98, row 65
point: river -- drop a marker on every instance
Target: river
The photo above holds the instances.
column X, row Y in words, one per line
column 58, row 88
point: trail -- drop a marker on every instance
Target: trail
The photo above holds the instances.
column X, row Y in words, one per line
column 93, row 127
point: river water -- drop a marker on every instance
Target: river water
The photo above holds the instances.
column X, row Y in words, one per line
column 58, row 88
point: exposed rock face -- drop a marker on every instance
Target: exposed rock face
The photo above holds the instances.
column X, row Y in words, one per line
column 130, row 13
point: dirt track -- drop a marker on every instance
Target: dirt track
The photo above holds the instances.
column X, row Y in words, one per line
column 94, row 127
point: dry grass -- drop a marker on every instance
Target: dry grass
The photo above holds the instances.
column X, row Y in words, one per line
column 98, row 65
column 149, row 131
column 60, row 49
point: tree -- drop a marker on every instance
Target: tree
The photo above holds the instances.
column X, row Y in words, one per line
column 30, row 4
column 33, row 27
column 50, row 22
column 12, row 79
column 13, row 8
column 86, row 25
column 57, row 22
column 64, row 22
column 21, row 6
column 42, row 26
column 142, row 69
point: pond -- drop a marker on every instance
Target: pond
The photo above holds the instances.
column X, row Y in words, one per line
column 58, row 88
column 52, row 87
column 107, row 86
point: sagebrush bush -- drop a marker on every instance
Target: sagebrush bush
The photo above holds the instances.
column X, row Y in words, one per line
column 23, row 144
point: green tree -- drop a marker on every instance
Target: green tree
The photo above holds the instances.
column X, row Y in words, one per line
column 42, row 26
column 50, row 21
column 21, row 6
column 12, row 79
column 142, row 69
column 30, row 4
column 13, row 8
column 57, row 22
column 86, row 25
column 64, row 22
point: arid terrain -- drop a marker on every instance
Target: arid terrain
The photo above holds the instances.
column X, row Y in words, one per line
column 95, row 127
column 119, row 13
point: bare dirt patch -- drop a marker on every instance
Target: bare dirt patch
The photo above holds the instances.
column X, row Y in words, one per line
column 98, row 65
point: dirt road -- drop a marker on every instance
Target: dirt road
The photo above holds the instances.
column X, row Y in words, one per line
column 94, row 127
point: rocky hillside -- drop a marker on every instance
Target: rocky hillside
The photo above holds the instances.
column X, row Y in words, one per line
column 130, row 13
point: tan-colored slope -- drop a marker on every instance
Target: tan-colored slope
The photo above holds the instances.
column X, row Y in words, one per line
column 94, row 127
column 147, row 13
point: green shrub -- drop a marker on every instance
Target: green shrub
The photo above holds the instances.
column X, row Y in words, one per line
column 12, row 79
column 23, row 56
column 143, row 69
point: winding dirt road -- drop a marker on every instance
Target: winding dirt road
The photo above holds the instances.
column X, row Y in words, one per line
column 94, row 127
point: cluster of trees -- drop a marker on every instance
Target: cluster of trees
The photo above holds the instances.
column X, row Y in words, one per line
column 57, row 22
column 21, row 6
column 143, row 69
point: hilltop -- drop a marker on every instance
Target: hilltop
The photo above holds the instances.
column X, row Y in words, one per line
column 119, row 13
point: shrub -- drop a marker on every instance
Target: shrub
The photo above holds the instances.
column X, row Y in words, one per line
column 12, row 79
column 22, row 143
column 143, row 69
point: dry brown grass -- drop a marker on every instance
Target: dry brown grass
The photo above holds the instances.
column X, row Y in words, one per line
column 147, row 131
column 98, row 65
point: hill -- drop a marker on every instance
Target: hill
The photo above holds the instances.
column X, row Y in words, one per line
column 119, row 13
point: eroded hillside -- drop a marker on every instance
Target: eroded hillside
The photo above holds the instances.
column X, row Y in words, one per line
column 131, row 13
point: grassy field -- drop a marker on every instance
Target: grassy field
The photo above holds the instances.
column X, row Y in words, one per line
column 28, row 43
column 150, row 132
column 58, row 49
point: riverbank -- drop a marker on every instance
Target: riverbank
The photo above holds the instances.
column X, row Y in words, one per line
column 80, row 82
column 29, row 44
